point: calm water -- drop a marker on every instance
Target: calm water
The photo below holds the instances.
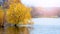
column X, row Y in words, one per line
column 37, row 29
column 46, row 29
column 46, row 26
column 41, row 26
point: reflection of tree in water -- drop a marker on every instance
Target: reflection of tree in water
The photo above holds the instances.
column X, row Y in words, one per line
column 16, row 30
column 1, row 30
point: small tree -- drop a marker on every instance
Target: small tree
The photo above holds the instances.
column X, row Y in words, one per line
column 18, row 13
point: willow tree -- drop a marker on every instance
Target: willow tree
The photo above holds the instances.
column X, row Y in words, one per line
column 18, row 13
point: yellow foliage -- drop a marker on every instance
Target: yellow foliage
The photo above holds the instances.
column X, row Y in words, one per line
column 13, row 1
column 18, row 13
column 16, row 30
column 1, row 16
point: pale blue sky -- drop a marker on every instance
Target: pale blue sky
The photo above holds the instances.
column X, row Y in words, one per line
column 43, row 3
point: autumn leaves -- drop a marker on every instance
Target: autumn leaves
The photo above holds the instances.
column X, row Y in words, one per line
column 17, row 13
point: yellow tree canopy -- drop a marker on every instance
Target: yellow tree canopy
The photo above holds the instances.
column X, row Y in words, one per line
column 1, row 16
column 13, row 1
column 18, row 14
